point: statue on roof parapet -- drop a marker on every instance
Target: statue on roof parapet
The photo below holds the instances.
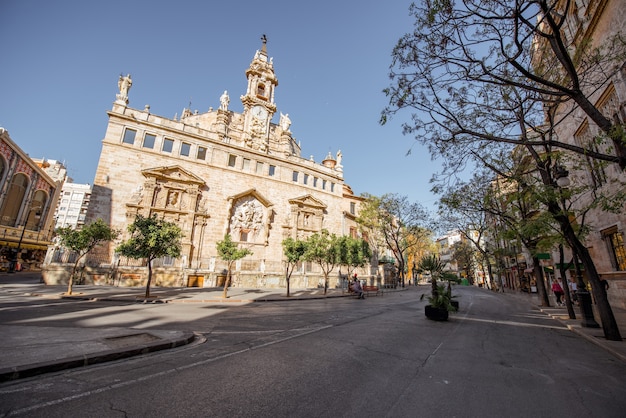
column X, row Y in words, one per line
column 224, row 101
column 124, row 84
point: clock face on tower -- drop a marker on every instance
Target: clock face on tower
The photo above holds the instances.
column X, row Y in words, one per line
column 259, row 112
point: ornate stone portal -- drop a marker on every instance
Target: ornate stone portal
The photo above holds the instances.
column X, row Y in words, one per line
column 174, row 194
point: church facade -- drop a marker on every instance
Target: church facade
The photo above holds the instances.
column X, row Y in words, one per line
column 213, row 174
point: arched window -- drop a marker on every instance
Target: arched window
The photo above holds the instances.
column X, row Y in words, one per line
column 3, row 166
column 14, row 199
column 260, row 90
column 36, row 209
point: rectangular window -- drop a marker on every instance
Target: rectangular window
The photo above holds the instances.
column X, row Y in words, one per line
column 272, row 171
column 185, row 149
column 306, row 179
column 585, row 138
column 615, row 243
column 259, row 167
column 324, row 184
column 129, row 136
column 246, row 164
column 232, row 160
column 168, row 145
column 352, row 208
column 201, row 154
column 243, row 236
column 314, row 181
column 148, row 141
column 332, row 187
column 294, row 176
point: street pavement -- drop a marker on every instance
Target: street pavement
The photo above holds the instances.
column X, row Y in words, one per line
column 32, row 350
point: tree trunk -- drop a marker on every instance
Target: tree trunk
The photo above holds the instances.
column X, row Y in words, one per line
column 568, row 297
column 149, row 279
column 609, row 324
column 226, row 283
column 70, row 281
column 541, row 282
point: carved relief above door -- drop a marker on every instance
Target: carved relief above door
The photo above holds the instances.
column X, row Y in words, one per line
column 251, row 217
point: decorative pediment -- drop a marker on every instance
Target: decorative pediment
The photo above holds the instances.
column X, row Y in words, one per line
column 253, row 193
column 308, row 201
column 173, row 173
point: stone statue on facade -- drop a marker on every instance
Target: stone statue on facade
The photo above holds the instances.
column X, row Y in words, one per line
column 224, row 101
column 285, row 122
column 124, row 84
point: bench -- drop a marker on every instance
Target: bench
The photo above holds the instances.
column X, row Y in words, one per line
column 368, row 290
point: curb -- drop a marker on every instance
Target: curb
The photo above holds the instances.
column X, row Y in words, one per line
column 578, row 331
column 29, row 370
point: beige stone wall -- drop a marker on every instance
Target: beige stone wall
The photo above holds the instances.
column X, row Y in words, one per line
column 123, row 187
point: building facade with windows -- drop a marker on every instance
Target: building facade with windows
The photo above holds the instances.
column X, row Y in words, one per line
column 28, row 198
column 594, row 24
column 217, row 173
column 73, row 205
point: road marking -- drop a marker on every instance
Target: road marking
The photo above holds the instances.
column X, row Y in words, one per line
column 160, row 374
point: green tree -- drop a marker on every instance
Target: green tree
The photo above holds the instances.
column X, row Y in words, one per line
column 151, row 238
column 401, row 224
column 324, row 249
column 434, row 266
column 293, row 250
column 465, row 256
column 230, row 252
column 83, row 240
column 354, row 252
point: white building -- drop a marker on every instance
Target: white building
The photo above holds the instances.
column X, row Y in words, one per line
column 73, row 205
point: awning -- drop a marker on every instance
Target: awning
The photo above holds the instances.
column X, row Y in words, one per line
column 24, row 246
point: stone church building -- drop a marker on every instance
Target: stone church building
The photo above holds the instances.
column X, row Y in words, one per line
column 215, row 173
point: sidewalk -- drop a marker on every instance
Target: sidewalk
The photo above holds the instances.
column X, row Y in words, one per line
column 594, row 335
column 31, row 350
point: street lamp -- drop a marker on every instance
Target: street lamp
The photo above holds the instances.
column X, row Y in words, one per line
column 13, row 262
column 584, row 297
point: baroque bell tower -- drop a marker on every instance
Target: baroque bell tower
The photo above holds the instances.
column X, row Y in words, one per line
column 258, row 102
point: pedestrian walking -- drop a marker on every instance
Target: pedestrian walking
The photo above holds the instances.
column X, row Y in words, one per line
column 558, row 291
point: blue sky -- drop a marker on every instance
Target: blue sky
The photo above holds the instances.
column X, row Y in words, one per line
column 61, row 61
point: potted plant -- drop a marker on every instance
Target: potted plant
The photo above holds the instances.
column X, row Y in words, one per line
column 440, row 303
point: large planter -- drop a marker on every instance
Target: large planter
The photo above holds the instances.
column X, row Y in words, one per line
column 436, row 314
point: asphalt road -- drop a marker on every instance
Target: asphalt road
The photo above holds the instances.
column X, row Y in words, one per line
column 378, row 357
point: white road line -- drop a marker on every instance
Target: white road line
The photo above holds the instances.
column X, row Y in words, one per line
column 155, row 375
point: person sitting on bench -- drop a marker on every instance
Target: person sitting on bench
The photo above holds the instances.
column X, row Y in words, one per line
column 357, row 288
